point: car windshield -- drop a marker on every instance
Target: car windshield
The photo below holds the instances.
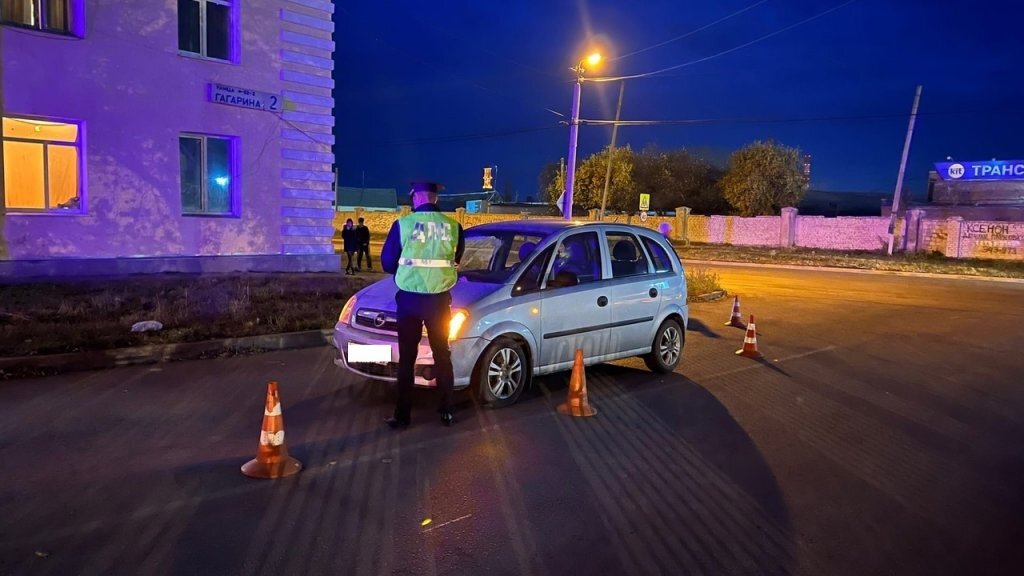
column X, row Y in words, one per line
column 493, row 255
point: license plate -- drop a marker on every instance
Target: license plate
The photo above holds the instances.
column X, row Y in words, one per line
column 369, row 353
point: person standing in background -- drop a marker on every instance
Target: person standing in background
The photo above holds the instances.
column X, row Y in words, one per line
column 363, row 236
column 350, row 244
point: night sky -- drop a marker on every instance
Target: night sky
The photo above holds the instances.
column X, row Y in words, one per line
column 439, row 90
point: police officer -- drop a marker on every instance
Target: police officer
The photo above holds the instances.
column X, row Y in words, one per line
column 422, row 251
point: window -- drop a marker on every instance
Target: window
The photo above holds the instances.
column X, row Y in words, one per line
column 204, row 28
column 577, row 261
column 41, row 165
column 206, row 182
column 659, row 256
column 49, row 15
column 493, row 255
column 530, row 280
column 628, row 258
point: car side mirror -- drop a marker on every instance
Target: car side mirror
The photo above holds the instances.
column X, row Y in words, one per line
column 564, row 279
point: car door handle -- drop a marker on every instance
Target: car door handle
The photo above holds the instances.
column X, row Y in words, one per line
column 653, row 292
column 602, row 301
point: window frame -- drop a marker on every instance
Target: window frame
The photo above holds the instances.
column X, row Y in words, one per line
column 642, row 251
column 232, row 31
column 78, row 145
column 600, row 259
column 204, row 200
column 646, row 241
column 41, row 10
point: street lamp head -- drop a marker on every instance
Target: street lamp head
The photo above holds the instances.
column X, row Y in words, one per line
column 594, row 59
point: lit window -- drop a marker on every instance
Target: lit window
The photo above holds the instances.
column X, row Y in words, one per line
column 204, row 28
column 41, row 165
column 206, row 178
column 50, row 15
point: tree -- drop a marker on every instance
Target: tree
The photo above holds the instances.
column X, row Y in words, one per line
column 679, row 178
column 548, row 176
column 763, row 178
column 588, row 183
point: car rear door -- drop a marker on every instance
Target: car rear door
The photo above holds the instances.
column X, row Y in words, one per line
column 636, row 292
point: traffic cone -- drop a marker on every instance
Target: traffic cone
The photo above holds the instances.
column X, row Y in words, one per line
column 750, row 342
column 272, row 460
column 736, row 320
column 576, row 404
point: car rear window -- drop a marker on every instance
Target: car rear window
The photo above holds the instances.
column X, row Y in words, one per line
column 659, row 256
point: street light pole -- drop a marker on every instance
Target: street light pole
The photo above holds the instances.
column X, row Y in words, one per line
column 574, row 127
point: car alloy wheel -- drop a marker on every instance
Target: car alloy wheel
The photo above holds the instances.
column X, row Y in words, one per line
column 502, row 373
column 505, row 373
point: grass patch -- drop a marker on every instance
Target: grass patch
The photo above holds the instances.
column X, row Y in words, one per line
column 935, row 263
column 97, row 314
column 701, row 281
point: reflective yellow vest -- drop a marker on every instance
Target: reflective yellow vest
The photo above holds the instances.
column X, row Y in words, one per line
column 429, row 242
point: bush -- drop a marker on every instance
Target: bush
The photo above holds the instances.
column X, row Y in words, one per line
column 700, row 281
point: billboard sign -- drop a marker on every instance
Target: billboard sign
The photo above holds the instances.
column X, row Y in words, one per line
column 983, row 170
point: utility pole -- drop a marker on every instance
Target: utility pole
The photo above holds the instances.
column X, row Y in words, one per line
column 903, row 166
column 611, row 150
column 4, row 251
column 574, row 128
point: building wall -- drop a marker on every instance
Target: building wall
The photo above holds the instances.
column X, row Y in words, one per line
column 134, row 94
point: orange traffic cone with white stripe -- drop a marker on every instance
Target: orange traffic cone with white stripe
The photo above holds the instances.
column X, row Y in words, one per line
column 577, row 404
column 736, row 320
column 750, row 342
column 272, row 459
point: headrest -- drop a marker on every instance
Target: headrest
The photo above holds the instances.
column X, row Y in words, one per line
column 624, row 250
column 525, row 250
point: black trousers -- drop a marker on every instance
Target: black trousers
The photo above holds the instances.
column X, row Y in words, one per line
column 414, row 312
column 364, row 249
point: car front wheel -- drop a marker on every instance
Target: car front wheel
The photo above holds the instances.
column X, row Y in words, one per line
column 667, row 348
column 502, row 373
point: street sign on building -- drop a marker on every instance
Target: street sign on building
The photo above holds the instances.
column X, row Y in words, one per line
column 645, row 202
column 244, row 98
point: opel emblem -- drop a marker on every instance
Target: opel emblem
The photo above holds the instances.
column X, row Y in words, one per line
column 379, row 320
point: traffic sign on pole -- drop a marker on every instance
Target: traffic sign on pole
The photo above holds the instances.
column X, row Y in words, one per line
column 645, row 202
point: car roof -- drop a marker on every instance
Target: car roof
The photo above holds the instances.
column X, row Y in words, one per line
column 544, row 227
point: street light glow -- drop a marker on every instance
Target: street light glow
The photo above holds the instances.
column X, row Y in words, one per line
column 594, row 59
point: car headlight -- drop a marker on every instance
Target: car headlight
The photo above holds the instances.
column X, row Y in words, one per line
column 455, row 324
column 346, row 312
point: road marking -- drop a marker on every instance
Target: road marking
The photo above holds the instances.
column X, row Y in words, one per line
column 459, row 519
column 756, row 366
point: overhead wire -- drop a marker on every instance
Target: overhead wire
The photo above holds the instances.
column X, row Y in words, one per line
column 724, row 52
column 690, row 33
column 704, row 121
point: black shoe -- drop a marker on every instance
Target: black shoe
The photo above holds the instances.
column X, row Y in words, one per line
column 396, row 424
column 447, row 418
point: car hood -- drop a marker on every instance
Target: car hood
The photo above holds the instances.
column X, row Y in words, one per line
column 381, row 295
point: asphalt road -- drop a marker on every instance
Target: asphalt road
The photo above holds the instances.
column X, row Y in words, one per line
column 883, row 434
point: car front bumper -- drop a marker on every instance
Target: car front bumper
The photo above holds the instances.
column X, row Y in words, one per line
column 464, row 352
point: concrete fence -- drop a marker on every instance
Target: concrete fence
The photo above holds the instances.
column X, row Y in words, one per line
column 953, row 237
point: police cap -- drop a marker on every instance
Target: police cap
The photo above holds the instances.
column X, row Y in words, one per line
column 425, row 186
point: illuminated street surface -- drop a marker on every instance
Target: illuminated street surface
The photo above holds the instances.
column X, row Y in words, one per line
column 883, row 433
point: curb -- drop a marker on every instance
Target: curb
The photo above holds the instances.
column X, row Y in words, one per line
column 98, row 359
column 712, row 263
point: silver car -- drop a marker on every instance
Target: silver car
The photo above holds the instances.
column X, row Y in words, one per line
column 529, row 294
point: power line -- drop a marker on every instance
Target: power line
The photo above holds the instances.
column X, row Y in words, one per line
column 691, row 33
column 706, row 121
column 454, row 137
column 724, row 52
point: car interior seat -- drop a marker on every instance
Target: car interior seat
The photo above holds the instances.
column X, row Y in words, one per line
column 624, row 259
